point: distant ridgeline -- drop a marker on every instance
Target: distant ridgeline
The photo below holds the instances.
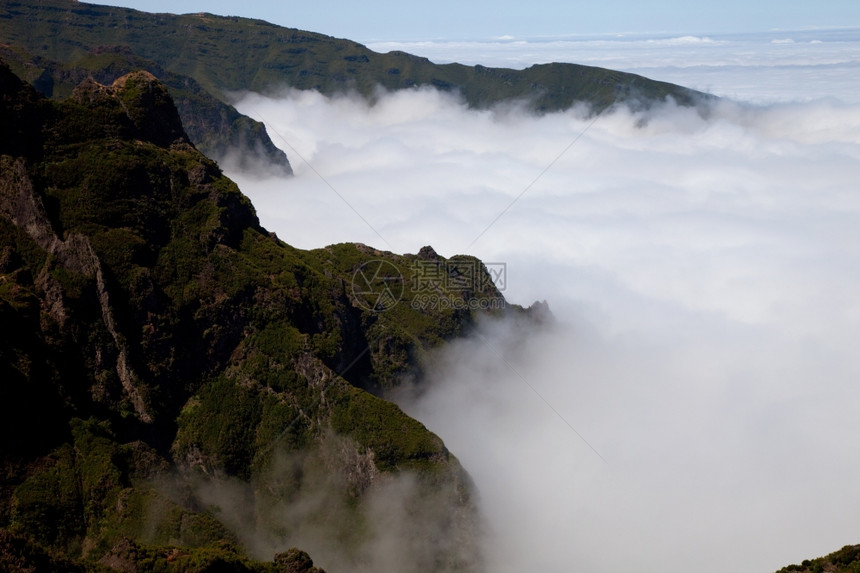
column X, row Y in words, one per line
column 158, row 346
column 55, row 44
column 846, row 560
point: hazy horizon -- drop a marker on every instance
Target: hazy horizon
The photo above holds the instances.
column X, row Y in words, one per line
column 761, row 67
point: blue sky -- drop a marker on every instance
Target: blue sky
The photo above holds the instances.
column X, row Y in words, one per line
column 449, row 19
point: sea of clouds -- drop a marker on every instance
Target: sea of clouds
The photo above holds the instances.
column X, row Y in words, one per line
column 696, row 405
column 774, row 66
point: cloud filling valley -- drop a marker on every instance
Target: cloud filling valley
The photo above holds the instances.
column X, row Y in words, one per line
column 695, row 406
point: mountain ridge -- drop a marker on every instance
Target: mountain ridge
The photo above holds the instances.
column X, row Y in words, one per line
column 236, row 54
column 205, row 60
column 216, row 128
column 160, row 347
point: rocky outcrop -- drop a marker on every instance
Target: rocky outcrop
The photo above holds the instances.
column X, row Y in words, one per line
column 295, row 561
column 216, row 128
column 150, row 110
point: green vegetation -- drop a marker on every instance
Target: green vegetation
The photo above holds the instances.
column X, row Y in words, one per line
column 216, row 127
column 156, row 339
column 399, row 442
column 232, row 54
column 846, row 560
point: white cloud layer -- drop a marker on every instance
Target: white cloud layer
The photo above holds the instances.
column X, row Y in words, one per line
column 705, row 271
column 763, row 67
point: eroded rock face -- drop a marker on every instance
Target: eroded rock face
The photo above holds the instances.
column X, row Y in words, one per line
column 169, row 348
column 24, row 208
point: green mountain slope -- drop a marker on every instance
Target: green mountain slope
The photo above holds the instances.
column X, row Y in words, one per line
column 175, row 381
column 224, row 54
column 215, row 127
column 846, row 560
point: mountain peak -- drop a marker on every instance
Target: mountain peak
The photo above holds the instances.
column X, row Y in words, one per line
column 144, row 101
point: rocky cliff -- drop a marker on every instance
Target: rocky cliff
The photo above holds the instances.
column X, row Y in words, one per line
column 216, row 128
column 180, row 388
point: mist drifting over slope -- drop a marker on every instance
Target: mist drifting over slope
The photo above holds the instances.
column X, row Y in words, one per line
column 696, row 406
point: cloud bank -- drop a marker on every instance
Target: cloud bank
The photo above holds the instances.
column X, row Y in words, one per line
column 763, row 67
column 704, row 269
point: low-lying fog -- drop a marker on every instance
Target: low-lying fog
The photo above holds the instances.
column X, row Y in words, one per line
column 696, row 407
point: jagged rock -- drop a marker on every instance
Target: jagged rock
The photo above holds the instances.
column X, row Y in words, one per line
column 145, row 102
column 427, row 253
column 23, row 207
column 150, row 108
column 540, row 312
column 122, row 557
column 295, row 561
column 215, row 127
